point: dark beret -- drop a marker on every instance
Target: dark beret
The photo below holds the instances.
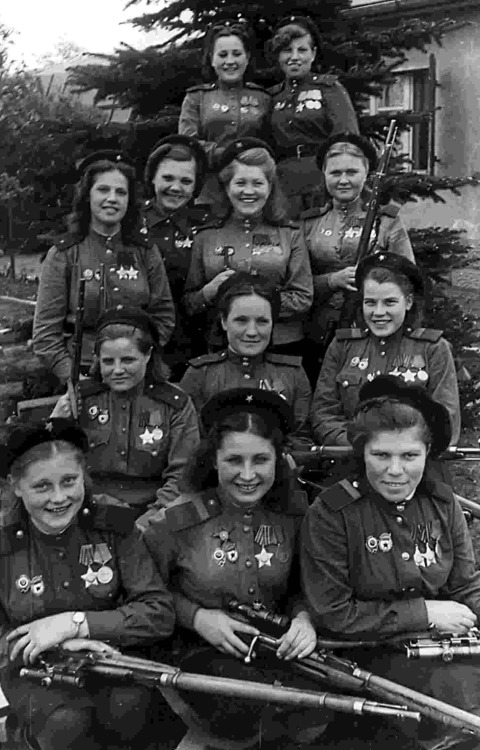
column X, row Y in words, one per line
column 130, row 316
column 304, row 22
column 393, row 262
column 111, row 155
column 435, row 414
column 239, row 147
column 272, row 407
column 365, row 146
column 161, row 150
column 24, row 437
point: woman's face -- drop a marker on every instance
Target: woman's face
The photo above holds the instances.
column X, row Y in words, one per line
column 174, row 183
column 384, row 307
column 52, row 491
column 345, row 177
column 108, row 200
column 122, row 364
column 248, row 325
column 248, row 190
column 229, row 59
column 394, row 462
column 246, row 467
column 296, row 60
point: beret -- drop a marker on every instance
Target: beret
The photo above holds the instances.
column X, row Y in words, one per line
column 389, row 387
column 393, row 262
column 130, row 316
column 24, row 437
column 362, row 143
column 238, row 147
column 161, row 151
column 112, row 155
column 272, row 407
column 304, row 22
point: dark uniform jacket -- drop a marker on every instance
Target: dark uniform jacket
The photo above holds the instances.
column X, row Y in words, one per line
column 278, row 252
column 332, row 234
column 208, row 552
column 369, row 564
column 420, row 356
column 173, row 235
column 139, row 441
column 209, row 375
column 99, row 565
column 135, row 275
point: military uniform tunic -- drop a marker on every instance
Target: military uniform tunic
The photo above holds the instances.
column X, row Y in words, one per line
column 304, row 114
column 173, row 234
column 139, row 441
column 277, row 252
column 420, row 356
column 134, row 275
column 332, row 234
column 209, row 375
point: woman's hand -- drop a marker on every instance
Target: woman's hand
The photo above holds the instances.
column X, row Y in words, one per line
column 300, row 639
column 449, row 616
column 210, row 290
column 40, row 635
column 343, row 279
column 63, row 409
column 219, row 630
column 85, row 644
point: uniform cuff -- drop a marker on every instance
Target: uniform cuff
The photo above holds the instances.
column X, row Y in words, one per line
column 185, row 610
column 105, row 626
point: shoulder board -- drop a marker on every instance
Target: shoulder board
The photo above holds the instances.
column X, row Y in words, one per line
column 250, row 85
column 67, row 240
column 276, row 89
column 287, row 223
column 109, row 514
column 90, row 388
column 440, row 490
column 340, row 495
column 297, row 503
column 346, row 334
column 191, row 510
column 208, row 359
column 313, row 213
column 13, row 526
column 284, row 359
column 142, row 239
column 216, row 224
column 201, row 87
column 200, row 212
column 171, row 394
column 390, row 209
column 328, row 79
column 426, row 334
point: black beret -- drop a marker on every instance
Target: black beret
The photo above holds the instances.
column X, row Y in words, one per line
column 239, row 147
column 111, row 155
column 24, row 437
column 268, row 404
column 393, row 262
column 161, row 150
column 130, row 316
column 365, row 146
column 435, row 414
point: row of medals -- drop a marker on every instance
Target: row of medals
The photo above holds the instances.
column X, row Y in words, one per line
column 264, row 537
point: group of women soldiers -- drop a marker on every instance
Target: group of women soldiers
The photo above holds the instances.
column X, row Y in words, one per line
column 166, row 500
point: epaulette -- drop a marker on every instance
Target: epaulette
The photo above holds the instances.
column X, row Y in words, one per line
column 208, row 359
column 314, row 213
column 212, row 225
column 67, row 240
column 90, row 388
column 327, row 78
column 390, row 209
column 169, row 393
column 283, row 359
column 287, row 223
column 257, row 86
column 426, row 334
column 13, row 530
column 191, row 510
column 346, row 334
column 276, row 89
column 339, row 495
column 109, row 514
column 297, row 503
column 439, row 489
column 201, row 87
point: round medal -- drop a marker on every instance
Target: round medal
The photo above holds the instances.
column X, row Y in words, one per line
column 104, row 574
column 23, row 583
column 422, row 376
column 88, row 274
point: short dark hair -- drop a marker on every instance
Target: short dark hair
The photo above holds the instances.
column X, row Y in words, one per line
column 176, row 152
column 201, row 473
column 79, row 220
column 157, row 371
column 388, row 276
column 244, row 284
column 285, row 35
column 218, row 30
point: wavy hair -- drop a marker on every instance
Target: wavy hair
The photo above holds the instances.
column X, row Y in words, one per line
column 157, row 371
column 285, row 35
column 413, row 317
column 217, row 31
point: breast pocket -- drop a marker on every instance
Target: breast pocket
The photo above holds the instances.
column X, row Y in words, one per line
column 152, row 440
column 99, row 429
column 348, row 386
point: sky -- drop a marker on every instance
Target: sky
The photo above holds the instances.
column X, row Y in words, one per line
column 92, row 24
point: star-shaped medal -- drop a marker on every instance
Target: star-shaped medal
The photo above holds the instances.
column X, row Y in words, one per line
column 188, row 242
column 90, row 578
column 122, row 273
column 249, row 399
column 264, row 558
column 409, row 376
column 132, row 273
column 147, row 437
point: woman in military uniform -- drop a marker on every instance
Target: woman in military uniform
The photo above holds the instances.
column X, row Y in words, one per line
column 75, row 573
column 228, row 108
column 104, row 234
column 234, row 536
column 389, row 552
column 248, row 308
column 307, row 108
column 174, row 175
column 255, row 237
column 332, row 233
column 389, row 341
column 141, row 429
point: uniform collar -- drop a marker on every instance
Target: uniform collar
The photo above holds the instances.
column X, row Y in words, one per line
column 353, row 207
column 245, row 362
column 296, row 83
column 178, row 219
column 109, row 241
column 246, row 224
column 393, row 340
column 237, row 86
column 365, row 488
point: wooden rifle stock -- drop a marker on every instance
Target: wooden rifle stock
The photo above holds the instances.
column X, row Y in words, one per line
column 77, row 349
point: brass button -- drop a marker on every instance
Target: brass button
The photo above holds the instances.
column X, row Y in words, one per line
column 66, row 584
column 246, row 529
column 61, row 555
column 248, row 563
column 405, row 556
column 399, row 520
column 19, row 534
column 251, row 590
column 123, row 453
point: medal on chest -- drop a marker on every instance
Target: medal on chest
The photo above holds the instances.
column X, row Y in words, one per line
column 36, row 584
column 266, row 536
column 183, row 242
column 383, row 543
column 95, row 558
column 226, row 551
